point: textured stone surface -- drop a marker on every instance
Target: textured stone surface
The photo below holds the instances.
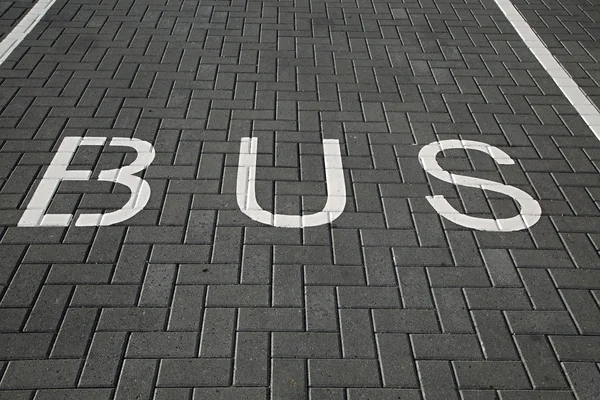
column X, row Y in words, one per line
column 191, row 299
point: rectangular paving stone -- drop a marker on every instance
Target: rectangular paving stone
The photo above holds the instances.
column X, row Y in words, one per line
column 186, row 308
column 493, row 374
column 584, row 310
column 162, row 345
column 135, row 381
column 158, row 234
column 452, row 310
column 379, row 266
column 494, row 335
column 346, row 275
column 536, row 394
column 170, row 393
column 501, row 268
column 321, row 310
column 11, row 255
column 356, row 332
column 306, row 345
column 19, row 346
column 194, row 372
column 11, row 319
column 287, row 286
column 422, row 256
column 576, row 348
column 540, row 362
column 497, row 299
column 388, row 237
column 289, row 379
column 24, row 285
column 74, row 394
column 103, row 360
column 106, row 244
column 237, row 296
column 396, row 358
column 541, row 258
column 343, row 373
column 79, row 274
column 405, row 321
column 301, row 254
column 327, row 393
column 128, row 268
column 204, row 274
column 227, row 245
column 541, row 289
column 132, row 319
column 256, row 263
column 180, row 253
column 576, row 279
column 50, row 305
column 346, row 247
column 250, row 393
column 158, row 285
column 583, row 377
column 75, row 333
column 458, row 277
column 540, row 322
column 368, row 297
column 437, row 380
column 383, row 394
column 251, row 359
column 105, row 295
column 464, row 248
column 414, row 287
column 217, row 332
column 446, row 347
column 56, row 253
column 270, row 319
column 39, row 374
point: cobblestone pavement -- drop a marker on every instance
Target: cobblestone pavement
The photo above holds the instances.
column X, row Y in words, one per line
column 190, row 298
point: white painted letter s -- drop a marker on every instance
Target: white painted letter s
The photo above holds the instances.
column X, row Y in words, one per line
column 530, row 210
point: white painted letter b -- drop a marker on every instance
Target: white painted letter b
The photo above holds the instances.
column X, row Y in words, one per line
column 35, row 214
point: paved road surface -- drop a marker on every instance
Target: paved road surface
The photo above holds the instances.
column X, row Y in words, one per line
column 183, row 276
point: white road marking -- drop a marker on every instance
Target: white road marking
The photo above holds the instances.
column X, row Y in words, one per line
column 246, row 186
column 530, row 210
column 27, row 23
column 577, row 97
column 35, row 214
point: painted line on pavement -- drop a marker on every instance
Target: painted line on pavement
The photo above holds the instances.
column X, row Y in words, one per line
column 27, row 23
column 577, row 97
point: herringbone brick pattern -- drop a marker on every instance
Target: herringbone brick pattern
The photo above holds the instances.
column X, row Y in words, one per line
column 191, row 299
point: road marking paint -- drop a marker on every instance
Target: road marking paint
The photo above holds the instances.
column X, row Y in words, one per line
column 246, row 188
column 530, row 210
column 19, row 32
column 576, row 96
column 35, row 214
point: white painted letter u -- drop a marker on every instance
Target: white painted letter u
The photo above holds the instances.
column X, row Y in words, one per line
column 334, row 175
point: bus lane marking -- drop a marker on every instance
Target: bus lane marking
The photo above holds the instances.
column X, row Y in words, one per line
column 246, row 188
column 35, row 214
column 529, row 209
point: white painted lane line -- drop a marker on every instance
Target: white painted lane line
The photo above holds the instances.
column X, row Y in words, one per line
column 577, row 97
column 27, row 23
